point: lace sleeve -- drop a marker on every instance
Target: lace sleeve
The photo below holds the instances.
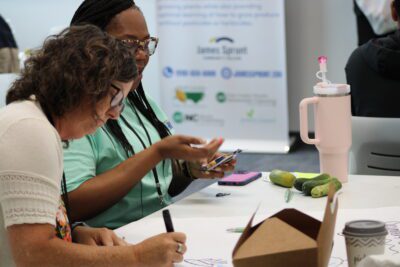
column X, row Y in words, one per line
column 30, row 173
column 28, row 199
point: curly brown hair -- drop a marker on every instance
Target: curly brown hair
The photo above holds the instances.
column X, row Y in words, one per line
column 79, row 63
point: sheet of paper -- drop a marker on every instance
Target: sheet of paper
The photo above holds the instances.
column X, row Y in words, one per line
column 210, row 244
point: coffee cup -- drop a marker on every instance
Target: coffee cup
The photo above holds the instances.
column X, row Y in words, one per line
column 364, row 238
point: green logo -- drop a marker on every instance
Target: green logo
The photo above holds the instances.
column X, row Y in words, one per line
column 178, row 117
column 183, row 96
column 221, row 97
column 250, row 113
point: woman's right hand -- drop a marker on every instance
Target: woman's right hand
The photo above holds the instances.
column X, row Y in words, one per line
column 161, row 250
column 178, row 147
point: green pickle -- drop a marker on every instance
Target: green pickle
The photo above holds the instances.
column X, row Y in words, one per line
column 298, row 184
column 282, row 178
column 322, row 190
column 308, row 186
column 315, row 187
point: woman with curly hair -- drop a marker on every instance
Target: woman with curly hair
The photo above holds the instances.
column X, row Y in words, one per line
column 70, row 87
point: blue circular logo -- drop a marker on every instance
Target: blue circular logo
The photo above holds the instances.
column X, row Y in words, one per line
column 226, row 73
column 168, row 72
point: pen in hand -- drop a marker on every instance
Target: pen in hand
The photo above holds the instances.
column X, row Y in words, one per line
column 170, row 228
column 168, row 221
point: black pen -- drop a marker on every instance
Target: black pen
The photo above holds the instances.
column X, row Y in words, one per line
column 168, row 221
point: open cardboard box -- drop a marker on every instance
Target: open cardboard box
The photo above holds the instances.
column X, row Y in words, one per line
column 289, row 238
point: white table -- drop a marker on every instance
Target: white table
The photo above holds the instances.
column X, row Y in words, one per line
column 204, row 217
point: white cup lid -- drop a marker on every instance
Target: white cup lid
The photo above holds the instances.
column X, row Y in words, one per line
column 365, row 228
column 331, row 89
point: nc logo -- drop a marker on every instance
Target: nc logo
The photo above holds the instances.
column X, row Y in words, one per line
column 168, row 72
column 226, row 73
column 178, row 117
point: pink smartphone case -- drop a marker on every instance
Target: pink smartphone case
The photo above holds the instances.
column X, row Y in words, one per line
column 240, row 178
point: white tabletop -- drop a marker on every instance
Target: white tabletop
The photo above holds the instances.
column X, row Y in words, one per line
column 360, row 192
column 203, row 209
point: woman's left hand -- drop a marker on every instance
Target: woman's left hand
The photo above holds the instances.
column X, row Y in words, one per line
column 96, row 237
column 218, row 172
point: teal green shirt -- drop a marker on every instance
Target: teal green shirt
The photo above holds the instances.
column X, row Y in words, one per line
column 99, row 152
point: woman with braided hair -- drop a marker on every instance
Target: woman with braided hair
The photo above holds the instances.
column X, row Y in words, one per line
column 132, row 166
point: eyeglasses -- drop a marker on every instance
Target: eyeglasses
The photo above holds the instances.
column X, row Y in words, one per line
column 148, row 46
column 117, row 103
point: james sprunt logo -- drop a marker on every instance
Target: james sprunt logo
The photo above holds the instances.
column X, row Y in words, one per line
column 221, row 39
column 222, row 47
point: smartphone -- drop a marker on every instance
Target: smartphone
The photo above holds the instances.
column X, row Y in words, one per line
column 220, row 160
column 239, row 178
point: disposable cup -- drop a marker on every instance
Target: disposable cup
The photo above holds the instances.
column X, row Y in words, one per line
column 364, row 238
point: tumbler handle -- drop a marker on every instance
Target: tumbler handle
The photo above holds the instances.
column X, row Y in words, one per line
column 304, row 120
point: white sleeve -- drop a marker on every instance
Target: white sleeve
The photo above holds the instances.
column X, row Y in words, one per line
column 30, row 172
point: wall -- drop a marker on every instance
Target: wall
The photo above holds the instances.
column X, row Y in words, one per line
column 32, row 21
column 314, row 27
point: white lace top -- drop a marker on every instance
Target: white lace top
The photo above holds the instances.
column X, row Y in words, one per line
column 31, row 165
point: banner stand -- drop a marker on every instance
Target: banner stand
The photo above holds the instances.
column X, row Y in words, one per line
column 223, row 71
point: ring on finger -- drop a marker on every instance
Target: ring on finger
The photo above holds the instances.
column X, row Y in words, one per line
column 179, row 249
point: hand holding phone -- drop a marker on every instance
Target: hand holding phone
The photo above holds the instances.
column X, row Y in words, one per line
column 220, row 160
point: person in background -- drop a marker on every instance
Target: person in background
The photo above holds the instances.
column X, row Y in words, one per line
column 9, row 62
column 373, row 19
column 129, row 168
column 70, row 87
column 373, row 74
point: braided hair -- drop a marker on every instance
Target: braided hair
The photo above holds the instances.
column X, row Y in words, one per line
column 100, row 13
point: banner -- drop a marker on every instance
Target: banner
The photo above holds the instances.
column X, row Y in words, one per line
column 223, row 71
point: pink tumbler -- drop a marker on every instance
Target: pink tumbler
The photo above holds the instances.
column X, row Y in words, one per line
column 332, row 117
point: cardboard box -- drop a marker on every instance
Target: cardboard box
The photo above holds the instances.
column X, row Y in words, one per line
column 289, row 238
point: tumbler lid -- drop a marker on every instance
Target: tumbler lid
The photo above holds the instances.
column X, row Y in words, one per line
column 331, row 89
column 365, row 228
